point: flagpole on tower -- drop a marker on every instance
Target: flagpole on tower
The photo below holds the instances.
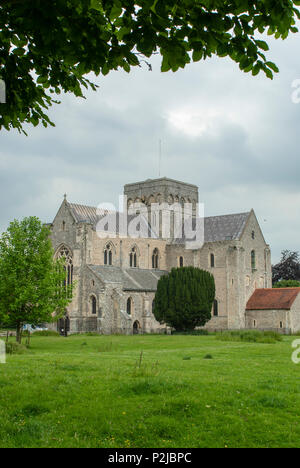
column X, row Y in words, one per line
column 159, row 162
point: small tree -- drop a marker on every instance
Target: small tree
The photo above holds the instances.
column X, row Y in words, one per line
column 288, row 268
column 32, row 285
column 184, row 298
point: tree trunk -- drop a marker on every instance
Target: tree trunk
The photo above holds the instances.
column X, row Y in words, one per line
column 19, row 333
column 28, row 339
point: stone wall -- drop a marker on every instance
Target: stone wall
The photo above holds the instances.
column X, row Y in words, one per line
column 277, row 320
column 234, row 276
column 161, row 190
column 121, row 249
column 295, row 315
column 65, row 232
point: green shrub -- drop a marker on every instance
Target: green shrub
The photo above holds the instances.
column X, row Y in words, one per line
column 287, row 284
column 208, row 356
column 249, row 336
column 86, row 334
column 15, row 348
column 192, row 332
column 46, row 333
column 274, row 335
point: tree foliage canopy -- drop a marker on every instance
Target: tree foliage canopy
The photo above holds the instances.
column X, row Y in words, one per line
column 49, row 46
column 287, row 284
column 184, row 298
column 288, row 268
column 32, row 284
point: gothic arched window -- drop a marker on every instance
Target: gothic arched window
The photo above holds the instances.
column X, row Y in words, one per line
column 133, row 258
column 129, row 306
column 66, row 254
column 155, row 256
column 94, row 305
column 108, row 255
column 181, row 262
column 216, row 308
column 212, row 260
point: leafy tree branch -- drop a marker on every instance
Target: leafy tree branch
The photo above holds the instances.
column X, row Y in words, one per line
column 50, row 46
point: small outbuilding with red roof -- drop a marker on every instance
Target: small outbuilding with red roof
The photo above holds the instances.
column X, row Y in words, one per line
column 274, row 309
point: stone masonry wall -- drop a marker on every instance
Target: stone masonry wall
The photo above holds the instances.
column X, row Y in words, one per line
column 277, row 320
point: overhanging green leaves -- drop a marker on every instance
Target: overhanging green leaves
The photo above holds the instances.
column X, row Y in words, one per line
column 50, row 46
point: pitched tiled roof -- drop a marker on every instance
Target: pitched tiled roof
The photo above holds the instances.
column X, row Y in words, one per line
column 132, row 279
column 277, row 298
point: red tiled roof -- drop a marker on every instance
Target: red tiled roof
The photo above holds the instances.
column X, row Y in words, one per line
column 277, row 298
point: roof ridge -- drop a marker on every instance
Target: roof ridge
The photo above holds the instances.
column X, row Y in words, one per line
column 230, row 214
column 80, row 204
column 281, row 289
column 206, row 217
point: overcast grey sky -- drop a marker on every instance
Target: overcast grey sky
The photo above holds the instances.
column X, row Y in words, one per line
column 234, row 135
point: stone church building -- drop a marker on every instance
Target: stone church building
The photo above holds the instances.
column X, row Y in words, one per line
column 115, row 276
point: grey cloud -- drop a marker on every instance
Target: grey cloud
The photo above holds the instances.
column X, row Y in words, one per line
column 246, row 157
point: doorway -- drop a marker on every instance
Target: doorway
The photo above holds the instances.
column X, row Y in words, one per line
column 63, row 326
column 136, row 327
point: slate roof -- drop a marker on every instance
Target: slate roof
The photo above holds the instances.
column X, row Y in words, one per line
column 227, row 227
column 84, row 213
column 220, row 228
column 132, row 279
column 91, row 215
column 269, row 299
column 216, row 228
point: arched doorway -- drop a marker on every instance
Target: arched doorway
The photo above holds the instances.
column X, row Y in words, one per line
column 136, row 327
column 63, row 326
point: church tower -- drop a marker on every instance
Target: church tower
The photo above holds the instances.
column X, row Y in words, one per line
column 165, row 192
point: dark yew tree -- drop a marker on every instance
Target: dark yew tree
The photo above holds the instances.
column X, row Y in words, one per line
column 50, row 46
column 184, row 298
column 288, row 268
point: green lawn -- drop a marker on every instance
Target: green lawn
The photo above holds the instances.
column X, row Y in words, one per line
column 86, row 391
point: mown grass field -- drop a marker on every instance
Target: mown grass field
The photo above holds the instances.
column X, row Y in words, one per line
column 92, row 391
